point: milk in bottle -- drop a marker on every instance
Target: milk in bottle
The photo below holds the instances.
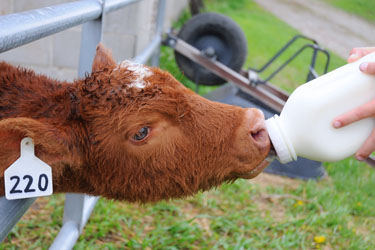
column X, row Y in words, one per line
column 304, row 127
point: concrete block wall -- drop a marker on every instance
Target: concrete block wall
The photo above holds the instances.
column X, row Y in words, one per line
column 126, row 32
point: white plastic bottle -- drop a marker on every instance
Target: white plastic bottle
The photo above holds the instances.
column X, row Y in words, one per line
column 304, row 127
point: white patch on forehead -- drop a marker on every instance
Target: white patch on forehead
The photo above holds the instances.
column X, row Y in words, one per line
column 140, row 72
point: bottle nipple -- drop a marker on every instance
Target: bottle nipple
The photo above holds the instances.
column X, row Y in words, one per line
column 281, row 143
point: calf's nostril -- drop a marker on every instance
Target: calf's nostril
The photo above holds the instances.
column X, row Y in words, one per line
column 259, row 134
column 254, row 123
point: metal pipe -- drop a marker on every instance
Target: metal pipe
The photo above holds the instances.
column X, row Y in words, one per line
column 148, row 51
column 76, row 216
column 67, row 236
column 87, row 210
column 21, row 28
column 10, row 213
column 111, row 5
column 90, row 38
column 160, row 17
column 155, row 59
column 24, row 27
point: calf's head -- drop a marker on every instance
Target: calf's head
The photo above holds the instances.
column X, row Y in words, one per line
column 133, row 132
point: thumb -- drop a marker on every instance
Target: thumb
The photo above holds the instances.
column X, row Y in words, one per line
column 368, row 67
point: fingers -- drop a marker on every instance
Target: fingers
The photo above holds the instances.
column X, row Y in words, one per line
column 367, row 148
column 357, row 53
column 364, row 111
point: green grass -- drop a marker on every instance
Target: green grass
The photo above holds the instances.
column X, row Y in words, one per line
column 362, row 8
column 268, row 212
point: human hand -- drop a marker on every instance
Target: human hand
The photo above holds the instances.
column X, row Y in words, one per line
column 365, row 111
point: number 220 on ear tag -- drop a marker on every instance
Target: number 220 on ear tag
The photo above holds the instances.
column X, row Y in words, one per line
column 28, row 176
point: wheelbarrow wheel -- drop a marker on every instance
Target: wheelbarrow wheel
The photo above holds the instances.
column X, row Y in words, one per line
column 218, row 35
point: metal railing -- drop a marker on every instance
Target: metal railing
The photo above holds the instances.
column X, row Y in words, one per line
column 22, row 28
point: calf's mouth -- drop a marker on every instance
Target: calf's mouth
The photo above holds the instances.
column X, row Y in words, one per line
column 260, row 167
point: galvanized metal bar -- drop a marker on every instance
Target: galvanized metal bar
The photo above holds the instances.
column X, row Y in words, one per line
column 21, row 28
column 11, row 212
column 77, row 210
column 147, row 53
column 90, row 38
column 112, row 5
column 155, row 59
column 24, row 27
column 160, row 17
column 67, row 237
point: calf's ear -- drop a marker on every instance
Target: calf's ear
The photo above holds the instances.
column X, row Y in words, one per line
column 50, row 142
column 103, row 58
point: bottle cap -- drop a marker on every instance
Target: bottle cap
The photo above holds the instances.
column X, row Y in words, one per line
column 280, row 143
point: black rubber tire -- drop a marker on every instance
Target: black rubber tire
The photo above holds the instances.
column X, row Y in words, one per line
column 221, row 33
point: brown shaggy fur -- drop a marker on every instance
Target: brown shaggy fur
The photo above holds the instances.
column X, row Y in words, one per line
column 84, row 131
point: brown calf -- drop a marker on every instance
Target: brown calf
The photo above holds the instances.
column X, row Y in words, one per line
column 127, row 132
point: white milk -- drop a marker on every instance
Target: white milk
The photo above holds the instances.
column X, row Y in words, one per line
column 304, row 127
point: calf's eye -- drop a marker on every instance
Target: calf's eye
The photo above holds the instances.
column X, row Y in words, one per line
column 141, row 134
